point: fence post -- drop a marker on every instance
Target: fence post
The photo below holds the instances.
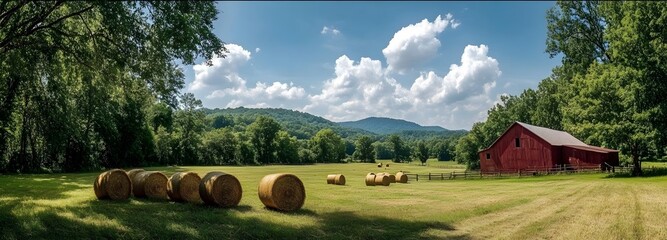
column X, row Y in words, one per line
column 417, row 177
column 442, row 176
column 429, row 176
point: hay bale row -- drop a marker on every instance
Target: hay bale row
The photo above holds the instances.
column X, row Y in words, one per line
column 150, row 184
column 338, row 179
column 113, row 184
column 392, row 178
column 220, row 189
column 184, row 187
column 370, row 179
column 282, row 192
column 381, row 179
column 401, row 177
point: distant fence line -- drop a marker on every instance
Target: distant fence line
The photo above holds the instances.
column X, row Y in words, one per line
column 509, row 174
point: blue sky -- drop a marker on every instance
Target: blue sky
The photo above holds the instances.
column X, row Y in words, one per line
column 434, row 63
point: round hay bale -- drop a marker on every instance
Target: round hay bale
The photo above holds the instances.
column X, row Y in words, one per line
column 387, row 165
column 370, row 179
column 282, row 191
column 339, row 179
column 379, row 165
column 150, row 184
column 132, row 173
column 382, row 180
column 221, row 189
column 401, row 177
column 184, row 187
column 392, row 178
column 331, row 178
column 113, row 184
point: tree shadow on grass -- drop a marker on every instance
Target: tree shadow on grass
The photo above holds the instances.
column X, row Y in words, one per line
column 160, row 219
column 646, row 172
column 165, row 220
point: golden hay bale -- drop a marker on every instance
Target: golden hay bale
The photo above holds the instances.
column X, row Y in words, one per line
column 282, row 191
column 132, row 173
column 339, row 179
column 184, row 187
column 113, row 184
column 370, row 179
column 392, row 178
column 221, row 189
column 401, row 177
column 379, row 165
column 150, row 184
column 382, row 180
column 331, row 178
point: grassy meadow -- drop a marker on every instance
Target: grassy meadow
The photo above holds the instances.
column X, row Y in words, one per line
column 584, row 206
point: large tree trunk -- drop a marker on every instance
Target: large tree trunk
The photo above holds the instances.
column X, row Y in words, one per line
column 636, row 165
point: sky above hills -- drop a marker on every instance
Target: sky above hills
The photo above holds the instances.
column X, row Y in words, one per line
column 433, row 63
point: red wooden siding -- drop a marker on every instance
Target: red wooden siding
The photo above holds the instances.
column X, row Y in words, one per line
column 536, row 153
column 533, row 152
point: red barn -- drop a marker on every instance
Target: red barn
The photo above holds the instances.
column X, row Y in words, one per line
column 527, row 147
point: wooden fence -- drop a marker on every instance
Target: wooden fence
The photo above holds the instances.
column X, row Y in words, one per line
column 510, row 174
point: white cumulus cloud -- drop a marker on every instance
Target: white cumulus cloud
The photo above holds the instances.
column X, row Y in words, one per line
column 476, row 75
column 416, row 43
column 365, row 89
column 222, row 81
column 222, row 72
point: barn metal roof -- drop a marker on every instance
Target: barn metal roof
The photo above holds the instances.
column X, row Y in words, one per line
column 553, row 137
column 592, row 148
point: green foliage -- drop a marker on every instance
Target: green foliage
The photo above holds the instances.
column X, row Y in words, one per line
column 219, row 148
column 421, row 152
column 298, row 124
column 328, row 146
column 382, row 150
column 391, row 126
column 606, row 111
column 364, row 150
column 263, row 133
column 78, row 79
column 287, row 148
column 400, row 151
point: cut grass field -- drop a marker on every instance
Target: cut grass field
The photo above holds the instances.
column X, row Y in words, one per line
column 585, row 206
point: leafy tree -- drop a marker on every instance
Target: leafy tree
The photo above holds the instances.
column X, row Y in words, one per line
column 164, row 144
column 401, row 152
column 287, row 148
column 328, row 146
column 307, row 156
column 606, row 111
column 219, row 147
column 576, row 29
column 382, row 150
column 189, row 121
column 443, row 149
column 364, row 149
column 161, row 115
column 262, row 136
column 92, row 67
column 221, row 121
column 421, row 152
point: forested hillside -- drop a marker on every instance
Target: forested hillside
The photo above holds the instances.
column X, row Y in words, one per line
column 299, row 124
column 381, row 125
column 609, row 90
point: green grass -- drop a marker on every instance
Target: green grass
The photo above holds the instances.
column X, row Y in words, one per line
column 587, row 206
